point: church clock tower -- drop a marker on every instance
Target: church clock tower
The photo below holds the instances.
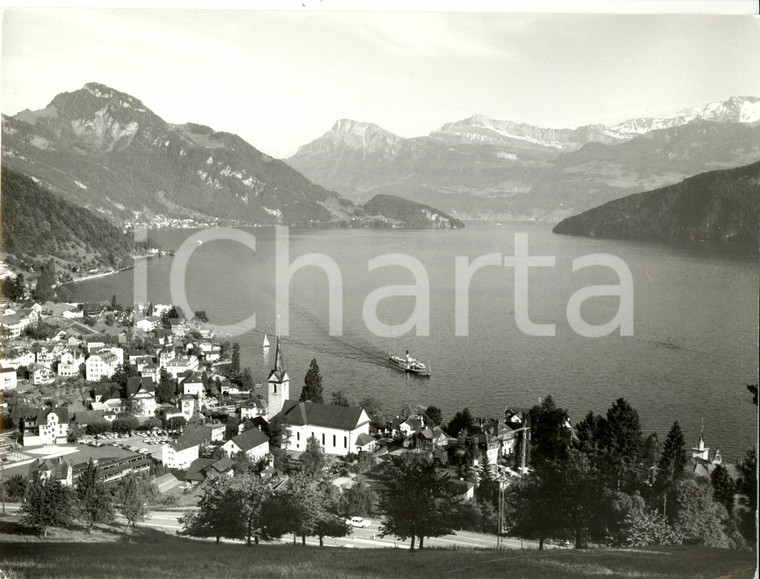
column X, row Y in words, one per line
column 278, row 385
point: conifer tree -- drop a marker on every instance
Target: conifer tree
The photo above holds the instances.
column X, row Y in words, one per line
column 312, row 389
column 672, row 463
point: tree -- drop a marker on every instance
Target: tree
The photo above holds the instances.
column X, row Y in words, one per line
column 724, row 487
column 419, row 501
column 746, row 485
column 254, row 493
column 201, row 316
column 640, row 526
column 622, row 443
column 313, row 458
column 487, row 490
column 125, row 424
column 329, row 523
column 94, row 501
column 550, row 431
column 672, row 463
column 47, row 503
column 433, row 416
column 312, row 389
column 176, row 423
column 123, row 373
column 235, row 366
column 220, row 511
column 132, row 495
column 374, row 410
column 339, row 398
column 98, row 427
column 698, row 517
column 277, row 430
column 359, row 500
column 462, row 421
column 167, row 387
column 296, row 509
column 46, row 282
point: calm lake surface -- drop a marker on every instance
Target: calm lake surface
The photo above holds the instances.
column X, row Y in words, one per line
column 693, row 350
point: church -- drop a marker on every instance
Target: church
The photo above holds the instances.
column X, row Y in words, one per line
column 336, row 428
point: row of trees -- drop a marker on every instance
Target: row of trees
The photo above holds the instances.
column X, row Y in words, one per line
column 50, row 503
column 606, row 482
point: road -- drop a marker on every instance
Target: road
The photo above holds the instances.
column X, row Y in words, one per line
column 369, row 538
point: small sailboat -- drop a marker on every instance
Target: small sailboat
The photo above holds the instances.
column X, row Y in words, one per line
column 266, row 342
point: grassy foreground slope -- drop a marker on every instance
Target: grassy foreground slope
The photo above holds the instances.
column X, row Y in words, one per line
column 179, row 558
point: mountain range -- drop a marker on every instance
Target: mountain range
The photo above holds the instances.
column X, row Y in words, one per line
column 714, row 208
column 485, row 168
column 105, row 150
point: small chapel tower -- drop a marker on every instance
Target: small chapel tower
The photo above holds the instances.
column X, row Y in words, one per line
column 701, row 451
column 278, row 384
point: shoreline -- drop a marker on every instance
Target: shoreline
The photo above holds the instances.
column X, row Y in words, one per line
column 106, row 273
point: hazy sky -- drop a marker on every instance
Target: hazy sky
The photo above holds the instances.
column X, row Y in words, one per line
column 281, row 79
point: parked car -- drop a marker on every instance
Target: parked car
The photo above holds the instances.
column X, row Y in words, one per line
column 358, row 522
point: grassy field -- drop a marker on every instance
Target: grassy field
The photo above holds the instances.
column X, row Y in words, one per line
column 147, row 553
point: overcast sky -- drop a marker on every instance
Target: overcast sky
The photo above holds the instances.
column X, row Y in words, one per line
column 281, row 79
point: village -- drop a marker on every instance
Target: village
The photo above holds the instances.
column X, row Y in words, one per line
column 163, row 397
column 149, row 392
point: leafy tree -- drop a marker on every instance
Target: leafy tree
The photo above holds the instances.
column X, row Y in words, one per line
column 125, row 424
column 95, row 503
column 724, row 487
column 312, row 389
column 75, row 433
column 747, row 487
column 219, row 511
column 201, row 316
column 123, row 373
column 254, row 493
column 640, row 526
column 359, row 500
column 698, row 516
column 98, row 427
column 47, row 503
column 166, row 390
column 14, row 488
column 374, row 410
column 132, row 496
column 463, row 421
column 296, row 509
column 339, row 398
column 277, row 430
column 672, row 463
column 46, row 282
column 246, row 380
column 313, row 458
column 329, row 523
column 419, row 501
column 433, row 416
column 150, row 423
column 176, row 423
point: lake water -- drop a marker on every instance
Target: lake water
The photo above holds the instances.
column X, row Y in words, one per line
column 693, row 350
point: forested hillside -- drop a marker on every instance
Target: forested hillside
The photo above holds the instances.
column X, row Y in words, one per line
column 38, row 225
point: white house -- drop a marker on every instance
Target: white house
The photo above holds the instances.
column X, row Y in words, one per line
column 185, row 450
column 48, row 426
column 142, row 392
column 177, row 366
column 253, row 442
column 252, row 408
column 71, row 361
column 7, row 377
column 102, row 364
column 40, row 375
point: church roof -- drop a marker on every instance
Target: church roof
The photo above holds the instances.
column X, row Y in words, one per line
column 327, row 415
column 278, row 372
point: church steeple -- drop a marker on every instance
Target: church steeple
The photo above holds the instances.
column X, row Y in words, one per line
column 278, row 384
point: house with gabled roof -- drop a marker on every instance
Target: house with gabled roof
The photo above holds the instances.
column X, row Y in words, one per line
column 58, row 469
column 102, row 364
column 202, row 468
column 71, row 362
column 47, row 426
column 253, row 443
column 141, row 391
column 182, row 452
column 39, row 375
column 251, row 408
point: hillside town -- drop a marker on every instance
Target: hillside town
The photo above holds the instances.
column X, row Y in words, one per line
column 149, row 392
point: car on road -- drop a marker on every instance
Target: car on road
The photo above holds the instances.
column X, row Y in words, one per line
column 358, row 522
